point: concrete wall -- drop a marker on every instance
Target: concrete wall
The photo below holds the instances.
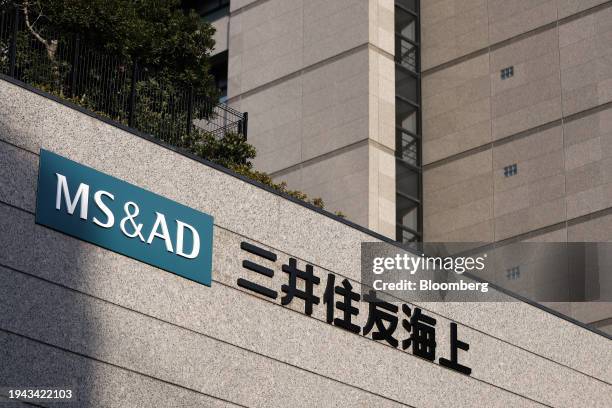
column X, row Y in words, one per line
column 122, row 333
column 317, row 78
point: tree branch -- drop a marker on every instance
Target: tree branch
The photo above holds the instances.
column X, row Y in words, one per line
column 26, row 5
column 50, row 46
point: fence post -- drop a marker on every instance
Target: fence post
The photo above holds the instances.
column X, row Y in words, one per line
column 190, row 111
column 74, row 69
column 245, row 124
column 132, row 102
column 3, row 18
column 13, row 44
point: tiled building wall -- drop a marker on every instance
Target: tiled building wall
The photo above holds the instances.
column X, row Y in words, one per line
column 317, row 78
column 549, row 122
column 550, row 118
column 455, row 28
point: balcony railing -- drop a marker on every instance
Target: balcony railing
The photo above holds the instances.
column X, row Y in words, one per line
column 117, row 88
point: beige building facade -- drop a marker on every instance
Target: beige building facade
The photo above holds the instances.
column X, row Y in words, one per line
column 317, row 79
column 507, row 122
column 517, row 126
column 525, row 154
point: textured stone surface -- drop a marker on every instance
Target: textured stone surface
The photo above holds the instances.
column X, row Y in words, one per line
column 95, row 384
column 87, row 141
column 282, row 335
column 586, row 72
column 456, row 109
column 273, row 221
column 167, row 352
column 563, row 168
column 452, row 28
column 149, row 347
column 342, row 179
column 532, row 96
column 570, row 7
column 221, row 36
column 507, row 19
column 6, row 402
column 317, row 77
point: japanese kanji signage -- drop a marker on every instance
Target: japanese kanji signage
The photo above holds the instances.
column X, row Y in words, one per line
column 341, row 302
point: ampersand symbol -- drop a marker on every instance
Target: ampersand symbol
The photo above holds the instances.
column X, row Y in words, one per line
column 130, row 216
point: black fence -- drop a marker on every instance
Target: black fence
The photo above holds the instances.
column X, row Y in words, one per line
column 113, row 87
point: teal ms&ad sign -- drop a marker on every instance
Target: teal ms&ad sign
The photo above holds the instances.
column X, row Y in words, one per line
column 119, row 216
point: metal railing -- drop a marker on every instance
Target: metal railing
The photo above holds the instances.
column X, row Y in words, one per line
column 117, row 88
column 406, row 53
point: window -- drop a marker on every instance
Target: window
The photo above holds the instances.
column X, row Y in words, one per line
column 406, row 85
column 513, row 273
column 406, row 236
column 406, row 54
column 407, row 179
column 507, row 72
column 406, row 36
column 407, row 213
column 408, row 175
column 406, row 116
column 407, row 4
column 204, row 8
column 405, row 24
column 510, row 170
column 407, row 147
column 218, row 70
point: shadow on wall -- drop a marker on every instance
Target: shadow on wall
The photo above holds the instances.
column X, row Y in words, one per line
column 46, row 329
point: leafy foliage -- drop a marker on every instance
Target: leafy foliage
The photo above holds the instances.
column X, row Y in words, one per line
column 158, row 34
column 171, row 47
column 234, row 152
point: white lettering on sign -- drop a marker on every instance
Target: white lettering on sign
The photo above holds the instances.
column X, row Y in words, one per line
column 82, row 195
column 110, row 217
column 195, row 250
column 128, row 225
column 160, row 222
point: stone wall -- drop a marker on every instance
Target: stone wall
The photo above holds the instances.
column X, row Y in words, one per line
column 123, row 333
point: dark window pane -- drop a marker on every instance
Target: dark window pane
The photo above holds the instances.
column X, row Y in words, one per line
column 205, row 7
column 407, row 4
column 218, row 70
column 406, row 236
column 407, row 179
column 405, row 24
column 511, row 170
column 407, row 212
column 406, row 116
column 406, row 85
